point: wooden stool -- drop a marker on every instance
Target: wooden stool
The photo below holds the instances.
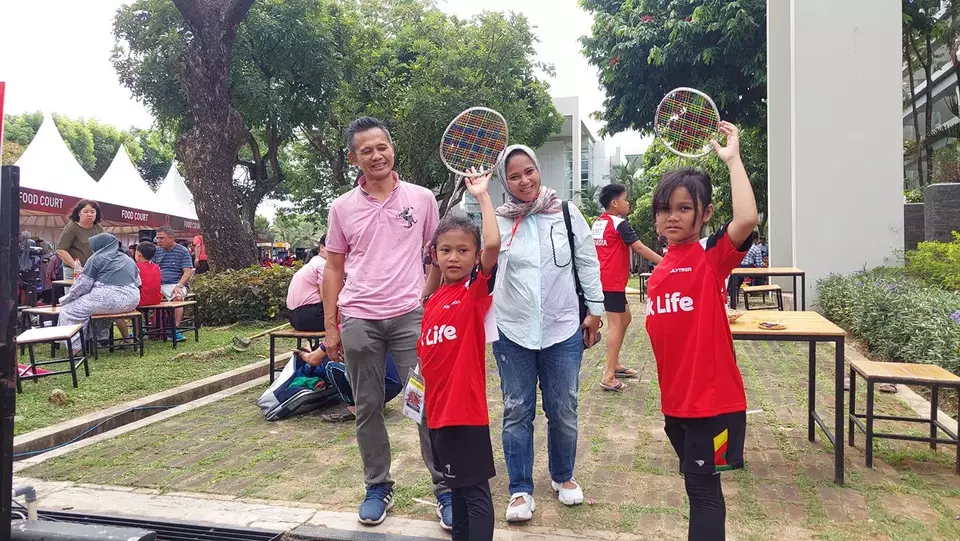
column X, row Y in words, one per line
column 166, row 310
column 764, row 290
column 49, row 313
column 313, row 336
column 136, row 321
column 44, row 335
column 926, row 375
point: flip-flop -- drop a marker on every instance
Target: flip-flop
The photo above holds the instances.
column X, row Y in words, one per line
column 618, row 388
column 338, row 417
column 626, row 373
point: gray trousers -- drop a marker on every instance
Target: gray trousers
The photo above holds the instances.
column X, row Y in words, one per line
column 365, row 345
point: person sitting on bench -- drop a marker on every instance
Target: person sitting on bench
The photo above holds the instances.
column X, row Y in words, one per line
column 335, row 374
column 305, row 293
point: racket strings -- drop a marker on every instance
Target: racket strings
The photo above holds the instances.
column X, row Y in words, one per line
column 474, row 139
column 686, row 122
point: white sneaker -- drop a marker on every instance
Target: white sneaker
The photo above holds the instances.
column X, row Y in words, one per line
column 568, row 496
column 520, row 513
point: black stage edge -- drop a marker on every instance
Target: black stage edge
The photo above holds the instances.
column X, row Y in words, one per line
column 9, row 252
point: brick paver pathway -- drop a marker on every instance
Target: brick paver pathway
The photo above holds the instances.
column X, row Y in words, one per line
column 625, row 462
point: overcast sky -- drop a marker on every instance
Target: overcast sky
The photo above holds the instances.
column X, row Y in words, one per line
column 55, row 56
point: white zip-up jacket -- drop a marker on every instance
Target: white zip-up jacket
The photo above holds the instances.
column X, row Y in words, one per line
column 535, row 296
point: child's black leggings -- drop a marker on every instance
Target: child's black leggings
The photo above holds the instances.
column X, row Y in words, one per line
column 473, row 513
column 708, row 512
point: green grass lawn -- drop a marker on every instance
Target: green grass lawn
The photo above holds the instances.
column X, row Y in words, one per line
column 123, row 375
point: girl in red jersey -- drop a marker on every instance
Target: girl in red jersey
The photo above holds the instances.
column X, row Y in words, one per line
column 701, row 391
column 452, row 351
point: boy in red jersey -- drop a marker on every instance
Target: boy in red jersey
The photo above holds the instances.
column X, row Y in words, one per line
column 149, row 282
column 149, row 274
column 701, row 391
column 452, row 351
column 614, row 239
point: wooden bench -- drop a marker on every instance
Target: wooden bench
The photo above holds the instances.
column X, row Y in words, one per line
column 314, row 338
column 44, row 335
column 165, row 327
column 926, row 375
column 762, row 290
column 136, row 321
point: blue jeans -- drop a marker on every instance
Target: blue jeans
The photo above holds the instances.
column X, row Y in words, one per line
column 558, row 370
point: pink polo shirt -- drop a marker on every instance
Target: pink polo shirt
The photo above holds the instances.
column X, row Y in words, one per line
column 306, row 283
column 383, row 242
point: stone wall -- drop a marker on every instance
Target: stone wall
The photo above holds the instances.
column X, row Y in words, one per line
column 913, row 229
column 941, row 211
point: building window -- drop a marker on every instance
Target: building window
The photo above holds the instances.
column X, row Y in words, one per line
column 568, row 169
column 586, row 163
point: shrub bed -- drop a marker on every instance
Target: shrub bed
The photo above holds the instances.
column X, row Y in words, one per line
column 898, row 316
column 250, row 294
column 936, row 263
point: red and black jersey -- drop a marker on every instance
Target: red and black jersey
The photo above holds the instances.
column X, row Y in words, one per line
column 613, row 236
column 688, row 328
column 452, row 351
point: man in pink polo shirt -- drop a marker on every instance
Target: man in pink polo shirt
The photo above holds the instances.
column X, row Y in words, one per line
column 374, row 279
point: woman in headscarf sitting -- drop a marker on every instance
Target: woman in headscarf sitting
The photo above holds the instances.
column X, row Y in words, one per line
column 542, row 334
column 109, row 284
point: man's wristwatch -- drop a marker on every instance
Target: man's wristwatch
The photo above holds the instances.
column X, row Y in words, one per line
column 323, row 347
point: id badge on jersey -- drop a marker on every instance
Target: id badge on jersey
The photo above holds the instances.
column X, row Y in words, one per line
column 413, row 397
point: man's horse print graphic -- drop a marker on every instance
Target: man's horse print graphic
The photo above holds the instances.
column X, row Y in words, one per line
column 407, row 216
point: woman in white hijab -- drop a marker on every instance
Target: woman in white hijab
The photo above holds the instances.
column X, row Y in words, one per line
column 541, row 332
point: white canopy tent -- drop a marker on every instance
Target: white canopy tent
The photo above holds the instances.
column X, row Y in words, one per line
column 123, row 185
column 174, row 196
column 47, row 165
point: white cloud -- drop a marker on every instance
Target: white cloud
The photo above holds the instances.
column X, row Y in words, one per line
column 56, row 57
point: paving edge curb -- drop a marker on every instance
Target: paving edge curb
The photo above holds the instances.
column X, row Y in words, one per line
column 59, row 433
column 147, row 421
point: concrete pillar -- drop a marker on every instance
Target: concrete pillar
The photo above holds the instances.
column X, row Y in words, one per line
column 779, row 139
column 845, row 134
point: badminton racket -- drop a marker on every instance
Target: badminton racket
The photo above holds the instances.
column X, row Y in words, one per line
column 686, row 121
column 474, row 139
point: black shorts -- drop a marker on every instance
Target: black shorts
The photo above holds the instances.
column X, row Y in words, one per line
column 708, row 445
column 463, row 454
column 203, row 267
column 307, row 318
column 615, row 301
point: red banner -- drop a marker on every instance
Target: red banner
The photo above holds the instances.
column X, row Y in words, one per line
column 62, row 205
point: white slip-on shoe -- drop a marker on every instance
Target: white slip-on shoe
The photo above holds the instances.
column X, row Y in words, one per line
column 520, row 513
column 568, row 496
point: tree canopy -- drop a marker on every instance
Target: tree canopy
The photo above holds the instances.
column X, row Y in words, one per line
column 645, row 48
column 417, row 68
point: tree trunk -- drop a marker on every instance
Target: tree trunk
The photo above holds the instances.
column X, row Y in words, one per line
column 209, row 149
column 913, row 105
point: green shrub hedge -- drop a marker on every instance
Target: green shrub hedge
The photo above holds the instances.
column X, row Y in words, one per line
column 899, row 317
column 250, row 294
column 936, row 263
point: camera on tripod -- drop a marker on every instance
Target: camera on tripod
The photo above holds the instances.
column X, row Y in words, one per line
column 30, row 280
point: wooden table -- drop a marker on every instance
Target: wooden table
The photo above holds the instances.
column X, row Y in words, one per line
column 62, row 285
column 794, row 272
column 812, row 328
